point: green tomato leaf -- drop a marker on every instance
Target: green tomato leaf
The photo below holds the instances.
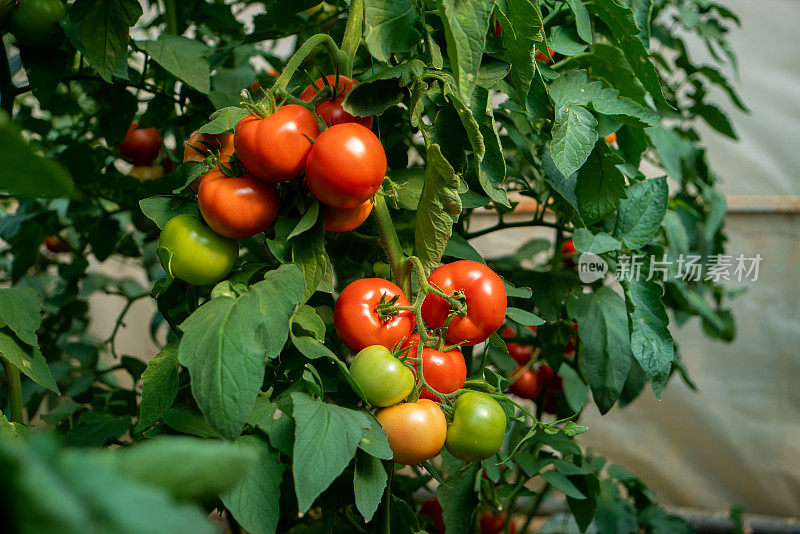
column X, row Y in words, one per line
column 574, row 137
column 184, row 58
column 274, row 420
column 375, row 442
column 459, row 500
column 466, row 23
column 326, row 439
column 161, row 209
column 224, row 120
column 19, row 310
column 651, row 341
column 227, row 340
column 29, row 175
column 458, row 247
column 606, row 348
column 562, row 484
column 29, row 360
column 523, row 31
column 369, row 483
column 253, row 501
column 103, row 31
column 189, row 468
column 392, row 26
column 599, row 243
column 640, row 215
column 525, row 318
column 187, row 421
column 600, row 184
column 582, row 20
column 159, row 386
column 307, row 221
column 309, row 255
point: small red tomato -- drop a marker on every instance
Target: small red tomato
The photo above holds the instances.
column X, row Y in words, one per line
column 237, row 207
column 356, row 319
column 543, row 58
column 55, row 244
column 445, row 372
column 548, row 378
column 550, row 404
column 525, row 384
column 521, row 353
column 495, row 523
column 276, row 147
column 346, row 219
column 569, row 347
column 498, row 28
column 330, row 110
column 485, row 297
column 141, row 145
column 433, row 509
column 346, row 166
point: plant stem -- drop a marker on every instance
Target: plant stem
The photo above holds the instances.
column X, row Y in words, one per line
column 387, row 502
column 535, row 507
column 14, row 391
column 302, row 53
column 519, row 224
column 391, row 245
column 352, row 35
column 7, row 92
column 171, row 16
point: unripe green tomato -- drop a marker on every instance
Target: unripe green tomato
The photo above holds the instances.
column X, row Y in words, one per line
column 199, row 256
column 382, row 377
column 478, row 427
column 34, row 23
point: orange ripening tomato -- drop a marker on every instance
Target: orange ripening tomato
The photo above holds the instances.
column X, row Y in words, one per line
column 346, row 166
column 356, row 319
column 445, row 372
column 525, row 383
column 237, row 207
column 611, row 138
column 330, row 110
column 416, row 430
column 485, row 296
column 220, row 144
column 140, row 145
column 276, row 147
column 346, row 219
column 55, row 244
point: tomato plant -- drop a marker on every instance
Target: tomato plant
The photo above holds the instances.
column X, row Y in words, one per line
column 280, row 386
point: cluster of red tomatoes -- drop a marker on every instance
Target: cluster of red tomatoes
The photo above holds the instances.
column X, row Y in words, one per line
column 343, row 166
column 418, row 430
column 539, row 383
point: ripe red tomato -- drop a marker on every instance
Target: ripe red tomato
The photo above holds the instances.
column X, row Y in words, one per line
column 237, row 207
column 498, row 28
column 525, row 383
column 521, row 353
column 492, row 523
column 346, row 219
column 141, row 145
column 416, row 430
column 485, row 300
column 275, row 148
column 433, row 509
column 548, row 378
column 346, row 166
column 55, row 244
column 330, row 110
column 569, row 347
column 443, row 371
column 356, row 319
column 543, row 58
column 550, row 404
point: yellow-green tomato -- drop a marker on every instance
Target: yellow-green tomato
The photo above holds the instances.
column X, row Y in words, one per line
column 478, row 427
column 382, row 377
column 199, row 256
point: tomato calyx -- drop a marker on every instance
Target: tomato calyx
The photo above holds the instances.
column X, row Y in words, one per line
column 386, row 310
